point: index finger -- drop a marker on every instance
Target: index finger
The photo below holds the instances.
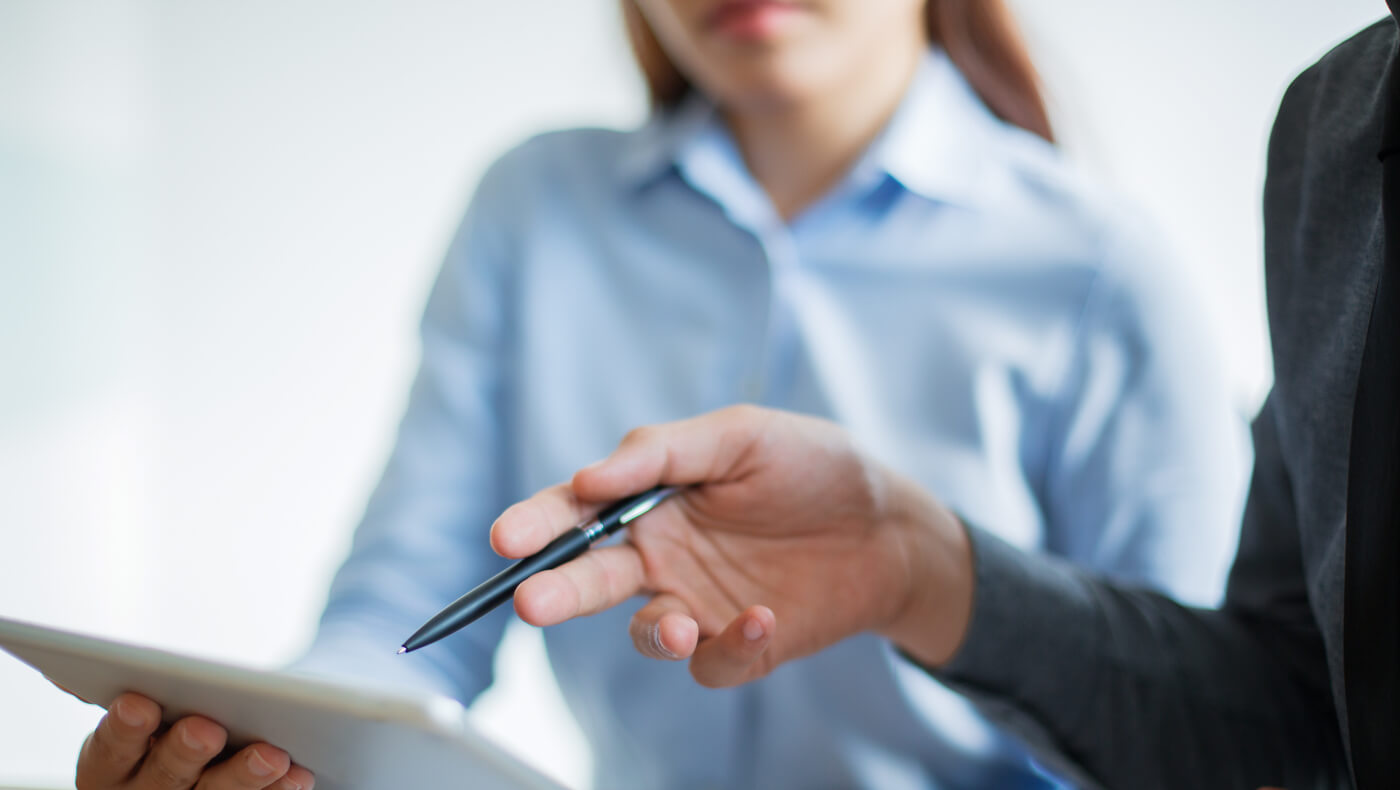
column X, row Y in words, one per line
column 598, row 580
column 527, row 526
column 709, row 448
column 116, row 747
column 704, row 449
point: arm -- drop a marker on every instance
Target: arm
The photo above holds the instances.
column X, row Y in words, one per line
column 791, row 539
column 1132, row 689
column 423, row 533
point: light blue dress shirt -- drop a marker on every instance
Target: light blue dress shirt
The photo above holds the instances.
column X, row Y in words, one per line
column 978, row 316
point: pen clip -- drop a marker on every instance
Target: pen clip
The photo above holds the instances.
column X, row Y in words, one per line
column 623, row 513
column 650, row 501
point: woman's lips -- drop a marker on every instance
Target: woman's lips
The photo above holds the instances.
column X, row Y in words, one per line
column 752, row 20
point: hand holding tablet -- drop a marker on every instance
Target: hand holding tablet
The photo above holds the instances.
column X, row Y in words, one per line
column 215, row 725
column 121, row 753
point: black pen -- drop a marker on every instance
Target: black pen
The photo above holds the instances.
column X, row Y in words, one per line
column 500, row 588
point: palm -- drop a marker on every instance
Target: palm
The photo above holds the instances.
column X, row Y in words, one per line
column 801, row 538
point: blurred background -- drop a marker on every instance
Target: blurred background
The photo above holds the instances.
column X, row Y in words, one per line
column 218, row 222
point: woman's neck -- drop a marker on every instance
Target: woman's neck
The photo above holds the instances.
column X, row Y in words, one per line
column 800, row 150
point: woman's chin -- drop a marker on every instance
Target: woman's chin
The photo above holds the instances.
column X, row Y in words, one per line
column 768, row 86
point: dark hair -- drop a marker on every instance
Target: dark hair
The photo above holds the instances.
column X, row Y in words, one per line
column 980, row 37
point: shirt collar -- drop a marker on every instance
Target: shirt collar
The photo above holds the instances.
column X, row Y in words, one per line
column 661, row 141
column 935, row 145
column 939, row 140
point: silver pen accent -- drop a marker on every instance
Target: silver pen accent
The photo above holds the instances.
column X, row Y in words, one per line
column 595, row 529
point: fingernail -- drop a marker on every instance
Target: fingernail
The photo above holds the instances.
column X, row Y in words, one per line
column 257, row 766
column 129, row 715
column 656, row 642
column 753, row 630
column 191, row 742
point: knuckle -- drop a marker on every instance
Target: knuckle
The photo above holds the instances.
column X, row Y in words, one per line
column 564, row 498
column 570, row 592
column 641, row 435
column 612, row 583
column 591, row 594
column 162, row 775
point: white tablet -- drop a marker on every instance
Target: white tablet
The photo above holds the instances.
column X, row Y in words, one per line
column 350, row 738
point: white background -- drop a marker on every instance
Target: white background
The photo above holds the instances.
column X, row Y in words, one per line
column 218, row 222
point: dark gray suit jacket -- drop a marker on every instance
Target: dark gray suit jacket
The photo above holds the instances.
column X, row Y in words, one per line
column 1124, row 688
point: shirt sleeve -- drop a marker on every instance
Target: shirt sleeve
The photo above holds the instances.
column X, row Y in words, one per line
column 1148, row 456
column 1118, row 686
column 423, row 540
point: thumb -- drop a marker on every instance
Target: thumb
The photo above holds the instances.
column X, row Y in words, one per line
column 703, row 449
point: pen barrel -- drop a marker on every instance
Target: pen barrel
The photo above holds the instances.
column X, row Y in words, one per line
column 499, row 588
column 615, row 517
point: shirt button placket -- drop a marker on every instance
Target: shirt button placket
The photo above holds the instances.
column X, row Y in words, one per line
column 769, row 382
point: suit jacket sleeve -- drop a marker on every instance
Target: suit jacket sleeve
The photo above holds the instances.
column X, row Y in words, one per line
column 1121, row 687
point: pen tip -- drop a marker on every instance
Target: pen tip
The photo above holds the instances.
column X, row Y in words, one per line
column 402, row 650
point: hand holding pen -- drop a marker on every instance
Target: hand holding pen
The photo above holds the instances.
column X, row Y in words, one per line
column 785, row 540
column 564, row 548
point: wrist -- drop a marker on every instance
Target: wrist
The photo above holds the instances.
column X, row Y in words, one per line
column 934, row 608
